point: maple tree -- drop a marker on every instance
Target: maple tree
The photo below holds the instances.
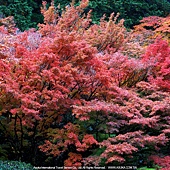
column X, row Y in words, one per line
column 80, row 93
column 164, row 162
column 151, row 28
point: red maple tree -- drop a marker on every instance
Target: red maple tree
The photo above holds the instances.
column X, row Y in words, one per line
column 71, row 90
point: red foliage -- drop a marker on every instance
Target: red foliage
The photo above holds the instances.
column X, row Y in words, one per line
column 157, row 59
column 164, row 162
column 69, row 82
column 73, row 161
column 153, row 27
column 7, row 25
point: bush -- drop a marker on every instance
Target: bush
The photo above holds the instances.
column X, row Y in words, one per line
column 14, row 165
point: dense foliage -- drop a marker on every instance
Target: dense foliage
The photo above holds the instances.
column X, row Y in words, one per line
column 27, row 12
column 130, row 10
column 11, row 165
column 21, row 10
column 75, row 93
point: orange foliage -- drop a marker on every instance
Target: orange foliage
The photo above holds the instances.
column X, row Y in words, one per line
column 153, row 27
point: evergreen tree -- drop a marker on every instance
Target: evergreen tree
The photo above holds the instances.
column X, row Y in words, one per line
column 21, row 10
column 130, row 10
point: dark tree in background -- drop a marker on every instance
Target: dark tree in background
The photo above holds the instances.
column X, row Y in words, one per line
column 22, row 10
column 130, row 10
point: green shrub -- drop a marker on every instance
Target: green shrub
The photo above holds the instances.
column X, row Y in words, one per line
column 14, row 165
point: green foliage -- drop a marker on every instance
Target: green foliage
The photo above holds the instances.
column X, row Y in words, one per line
column 130, row 10
column 62, row 3
column 14, row 165
column 98, row 151
column 21, row 10
column 3, row 154
column 145, row 168
column 103, row 136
